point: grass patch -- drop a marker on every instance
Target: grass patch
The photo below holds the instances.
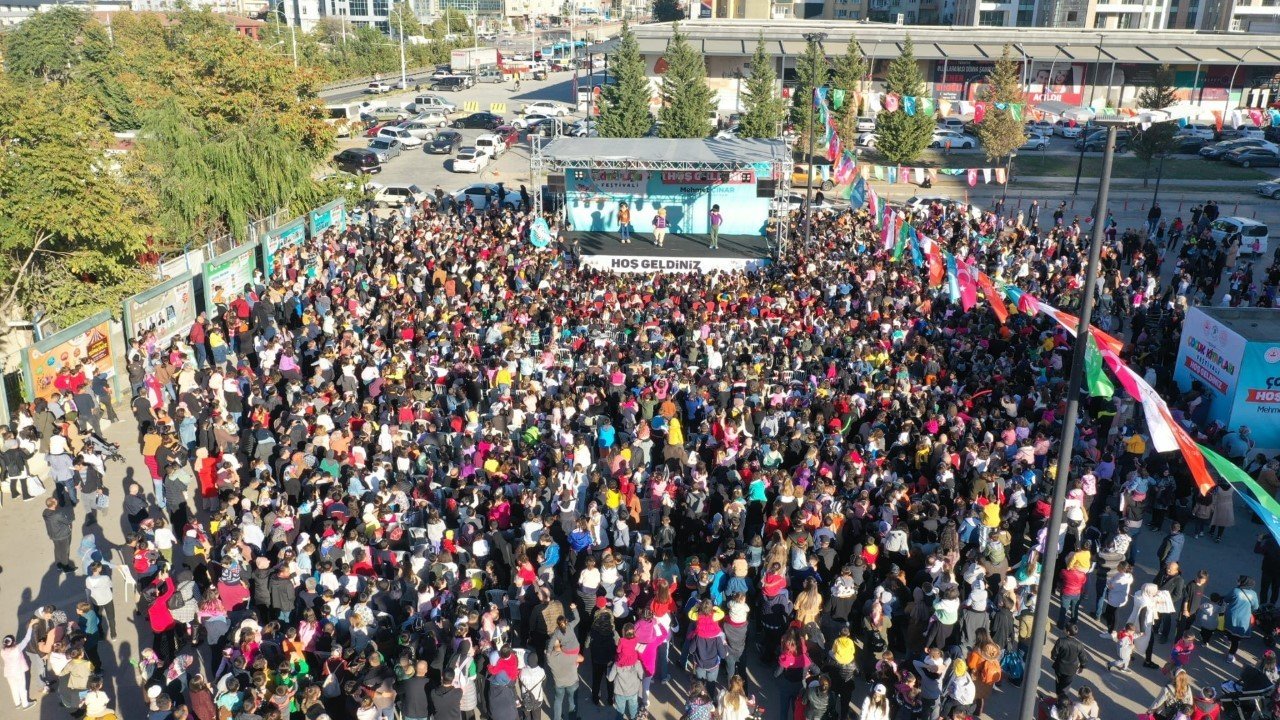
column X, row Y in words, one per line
column 1032, row 163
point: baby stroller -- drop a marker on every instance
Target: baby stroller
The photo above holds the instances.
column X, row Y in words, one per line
column 100, row 445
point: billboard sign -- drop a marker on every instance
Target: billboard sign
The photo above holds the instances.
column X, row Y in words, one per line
column 87, row 342
column 331, row 215
column 167, row 309
column 593, row 197
column 1258, row 397
column 226, row 275
column 1210, row 353
column 292, row 233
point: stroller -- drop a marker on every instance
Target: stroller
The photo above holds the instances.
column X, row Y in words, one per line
column 107, row 449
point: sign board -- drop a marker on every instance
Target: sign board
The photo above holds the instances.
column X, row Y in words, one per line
column 189, row 261
column 293, row 232
column 1210, row 353
column 332, row 215
column 88, row 342
column 592, row 199
column 167, row 309
column 226, row 275
column 1257, row 402
column 633, row 264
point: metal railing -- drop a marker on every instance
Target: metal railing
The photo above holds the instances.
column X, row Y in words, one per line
column 388, row 77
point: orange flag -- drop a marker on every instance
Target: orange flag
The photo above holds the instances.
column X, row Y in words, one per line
column 993, row 297
column 937, row 270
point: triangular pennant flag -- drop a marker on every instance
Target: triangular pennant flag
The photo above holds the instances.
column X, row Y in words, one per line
column 865, row 171
column 944, row 107
column 837, row 98
column 1015, row 111
column 890, row 102
column 973, row 177
column 1095, row 378
column 819, row 96
column 986, row 176
column 919, row 173
column 873, row 103
column 1001, row 106
column 893, row 174
column 1000, row 175
column 933, row 175
column 926, row 106
column 904, row 175
column 979, row 111
column 879, row 171
column 909, row 105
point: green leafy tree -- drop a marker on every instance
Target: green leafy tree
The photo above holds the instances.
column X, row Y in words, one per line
column 54, row 45
column 1156, row 141
column 624, row 105
column 1000, row 133
column 402, row 13
column 667, row 11
column 811, row 71
column 687, row 101
column 71, row 222
column 764, row 110
column 900, row 138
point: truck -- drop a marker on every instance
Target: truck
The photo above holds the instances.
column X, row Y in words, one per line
column 469, row 60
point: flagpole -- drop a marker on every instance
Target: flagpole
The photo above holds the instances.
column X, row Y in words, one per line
column 1039, row 629
column 815, row 38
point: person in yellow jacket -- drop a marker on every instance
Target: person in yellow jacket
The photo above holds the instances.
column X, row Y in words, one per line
column 675, row 433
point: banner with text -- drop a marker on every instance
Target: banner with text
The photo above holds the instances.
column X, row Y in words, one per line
column 167, row 309
column 226, row 276
column 632, row 264
column 593, row 197
column 87, row 342
column 293, row 232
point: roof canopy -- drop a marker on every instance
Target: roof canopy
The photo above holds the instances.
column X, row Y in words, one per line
column 658, row 153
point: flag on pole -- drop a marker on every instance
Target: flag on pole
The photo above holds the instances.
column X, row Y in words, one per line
column 937, row 269
column 904, row 230
column 966, row 277
column 873, row 201
column 953, row 285
column 1234, row 475
column 858, row 194
column 887, row 231
column 1099, row 384
column 993, row 297
column 916, row 256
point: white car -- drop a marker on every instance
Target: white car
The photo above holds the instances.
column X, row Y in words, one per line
column 530, row 120
column 397, row 195
column 546, row 107
column 421, row 129
column 470, row 160
column 1036, row 141
column 583, row 128
column 866, row 140
column 396, row 132
column 958, row 141
column 1068, row 129
column 1198, row 130
column 491, row 144
column 1245, row 131
column 390, row 113
column 484, row 194
column 1039, row 127
column 378, row 88
column 955, row 123
column 1253, row 234
column 866, row 124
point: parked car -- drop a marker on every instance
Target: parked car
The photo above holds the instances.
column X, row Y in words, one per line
column 1217, row 150
column 1097, row 140
column 1202, row 130
column 491, row 144
column 1036, row 141
column 1067, row 129
column 385, row 148
column 397, row 195
column 953, row 123
column 470, row 160
column 407, row 139
column 957, row 141
column 375, row 128
column 866, row 140
column 583, row 128
column 1244, row 131
column 1039, row 127
column 481, row 120
column 482, row 195
column 821, row 176
column 422, row 103
column 390, row 113
column 866, row 123
column 420, row 129
column 1254, row 157
column 378, row 88
column 1189, row 145
column 1253, row 234
column 358, row 161
column 530, row 121
column 545, row 107
column 444, row 143
column 441, row 73
column 490, row 75
column 509, row 135
column 1268, row 188
column 451, row 84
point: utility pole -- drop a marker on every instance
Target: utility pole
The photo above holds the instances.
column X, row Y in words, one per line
column 813, row 38
column 293, row 38
column 404, row 76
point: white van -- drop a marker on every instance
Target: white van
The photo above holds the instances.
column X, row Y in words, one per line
column 343, row 118
column 1253, row 234
column 491, row 145
column 431, row 102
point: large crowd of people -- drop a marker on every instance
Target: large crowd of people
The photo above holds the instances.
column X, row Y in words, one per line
column 423, row 468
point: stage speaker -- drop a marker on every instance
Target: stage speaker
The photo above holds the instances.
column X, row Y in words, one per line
column 766, row 188
column 555, row 183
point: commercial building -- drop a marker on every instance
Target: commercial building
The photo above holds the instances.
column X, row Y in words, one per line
column 1219, row 71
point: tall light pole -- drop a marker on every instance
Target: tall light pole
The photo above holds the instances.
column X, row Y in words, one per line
column 404, row 77
column 1232, row 85
column 1035, row 654
column 812, row 39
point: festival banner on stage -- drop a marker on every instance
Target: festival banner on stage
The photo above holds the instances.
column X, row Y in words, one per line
column 593, row 197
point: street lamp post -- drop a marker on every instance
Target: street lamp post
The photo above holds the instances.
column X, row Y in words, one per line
column 404, row 76
column 1159, row 175
column 1232, row 85
column 813, row 39
column 1038, row 630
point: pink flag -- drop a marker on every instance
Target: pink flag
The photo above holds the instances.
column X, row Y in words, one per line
column 887, row 234
column 973, row 177
column 1256, row 116
column 890, row 102
column 1000, row 176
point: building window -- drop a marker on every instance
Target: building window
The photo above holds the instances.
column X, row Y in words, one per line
column 381, row 8
column 1191, row 19
column 1071, row 16
column 359, row 7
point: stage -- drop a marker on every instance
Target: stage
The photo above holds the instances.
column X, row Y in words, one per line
column 679, row 253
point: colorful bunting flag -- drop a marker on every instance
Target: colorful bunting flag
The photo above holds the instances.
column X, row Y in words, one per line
column 1099, row 384
column 1015, row 112
column 890, row 102
column 979, row 111
column 973, row 177
column 1000, row 175
column 926, row 106
column 993, row 297
column 944, row 107
column 909, row 105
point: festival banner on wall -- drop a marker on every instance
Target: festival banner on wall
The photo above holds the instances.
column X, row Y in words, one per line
column 226, row 276
column 331, row 215
column 291, row 233
column 167, row 309
column 87, row 342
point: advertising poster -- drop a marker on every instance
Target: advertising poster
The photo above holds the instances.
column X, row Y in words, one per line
column 88, row 342
column 331, row 215
column 1211, row 353
column 292, row 233
column 951, row 79
column 1258, row 397
column 226, row 275
column 593, row 197
column 168, row 309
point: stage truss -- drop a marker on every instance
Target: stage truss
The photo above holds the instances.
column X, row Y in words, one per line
column 541, row 165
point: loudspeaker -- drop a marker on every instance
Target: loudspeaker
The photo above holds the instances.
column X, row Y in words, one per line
column 555, row 183
column 766, row 188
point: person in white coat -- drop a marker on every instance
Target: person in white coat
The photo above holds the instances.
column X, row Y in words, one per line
column 876, row 706
column 15, row 666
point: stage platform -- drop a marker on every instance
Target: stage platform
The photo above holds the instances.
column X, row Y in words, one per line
column 679, row 253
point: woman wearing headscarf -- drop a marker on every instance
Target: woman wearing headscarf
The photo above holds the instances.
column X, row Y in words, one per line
column 1241, row 604
column 1144, row 615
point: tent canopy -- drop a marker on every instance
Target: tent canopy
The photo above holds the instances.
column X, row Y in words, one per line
column 660, row 153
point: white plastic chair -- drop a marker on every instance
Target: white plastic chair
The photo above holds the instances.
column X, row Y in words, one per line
column 130, row 584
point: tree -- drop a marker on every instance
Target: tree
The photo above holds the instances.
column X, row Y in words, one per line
column 71, row 223
column 811, row 71
column 624, row 105
column 1000, row 133
column 667, row 11
column 53, row 45
column 402, row 13
column 900, row 137
column 687, row 101
column 1156, row 141
column 848, row 74
column 764, row 110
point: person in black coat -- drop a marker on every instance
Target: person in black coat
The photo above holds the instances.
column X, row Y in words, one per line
column 413, row 693
column 446, row 700
column 1068, row 658
column 58, row 523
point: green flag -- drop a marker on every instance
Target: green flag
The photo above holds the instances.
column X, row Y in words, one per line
column 1236, row 476
column 1015, row 111
column 903, row 233
column 1099, row 384
column 837, row 98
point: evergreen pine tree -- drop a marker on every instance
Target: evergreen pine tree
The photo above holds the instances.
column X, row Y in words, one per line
column 624, row 105
column 764, row 110
column 1000, row 132
column 667, row 11
column 900, row 138
column 1157, row 140
column 848, row 74
column 687, row 101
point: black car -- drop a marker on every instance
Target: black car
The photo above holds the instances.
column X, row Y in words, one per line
column 1190, row 145
column 1253, row 157
column 452, row 84
column 481, row 120
column 358, row 161
column 1097, row 140
column 1217, row 151
column 444, row 143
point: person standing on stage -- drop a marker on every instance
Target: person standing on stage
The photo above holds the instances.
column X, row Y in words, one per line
column 624, row 223
column 660, row 227
column 716, row 220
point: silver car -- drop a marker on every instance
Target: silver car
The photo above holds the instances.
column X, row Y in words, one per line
column 385, row 148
